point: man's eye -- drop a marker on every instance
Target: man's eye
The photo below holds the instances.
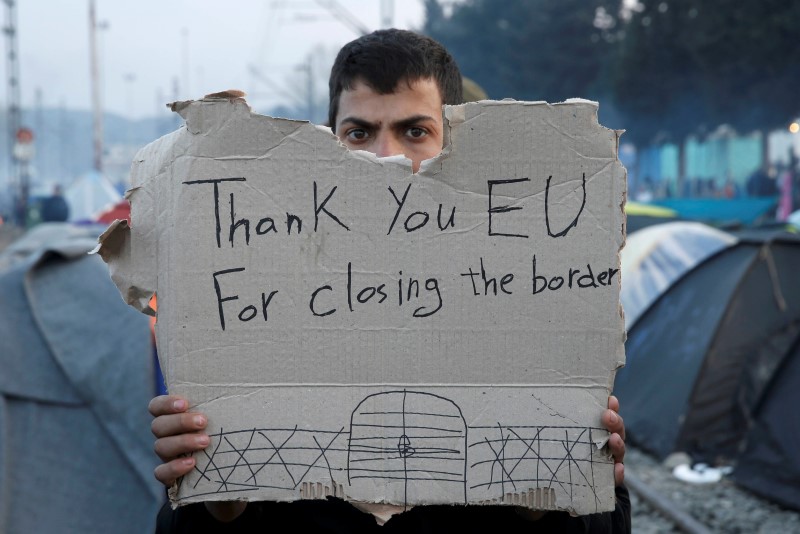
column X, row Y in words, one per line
column 356, row 134
column 416, row 132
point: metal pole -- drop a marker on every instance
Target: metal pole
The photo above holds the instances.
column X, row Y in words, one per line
column 97, row 106
column 14, row 113
column 387, row 13
column 187, row 93
column 310, row 89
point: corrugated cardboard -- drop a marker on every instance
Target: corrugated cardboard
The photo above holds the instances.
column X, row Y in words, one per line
column 353, row 329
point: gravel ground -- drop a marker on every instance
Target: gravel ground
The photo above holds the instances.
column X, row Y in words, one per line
column 721, row 507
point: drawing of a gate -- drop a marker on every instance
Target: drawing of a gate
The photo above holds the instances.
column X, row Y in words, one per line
column 408, row 436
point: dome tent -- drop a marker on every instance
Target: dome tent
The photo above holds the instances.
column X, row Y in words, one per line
column 713, row 366
column 88, row 195
column 655, row 256
column 76, row 454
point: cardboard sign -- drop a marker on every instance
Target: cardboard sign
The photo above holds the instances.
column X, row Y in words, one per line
column 353, row 329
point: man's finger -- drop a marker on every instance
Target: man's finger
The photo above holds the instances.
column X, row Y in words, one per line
column 171, row 447
column 613, row 403
column 169, row 472
column 179, row 423
column 619, row 474
column 614, row 423
column 167, row 404
column 617, row 447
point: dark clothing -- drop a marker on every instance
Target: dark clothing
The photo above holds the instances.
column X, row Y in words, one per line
column 55, row 209
column 334, row 515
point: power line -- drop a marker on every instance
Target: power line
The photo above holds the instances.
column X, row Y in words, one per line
column 344, row 16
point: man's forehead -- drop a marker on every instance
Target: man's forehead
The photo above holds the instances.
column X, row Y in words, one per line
column 402, row 83
column 418, row 97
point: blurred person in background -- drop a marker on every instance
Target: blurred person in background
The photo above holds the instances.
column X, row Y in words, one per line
column 54, row 207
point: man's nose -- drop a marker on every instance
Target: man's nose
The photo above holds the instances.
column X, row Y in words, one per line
column 387, row 145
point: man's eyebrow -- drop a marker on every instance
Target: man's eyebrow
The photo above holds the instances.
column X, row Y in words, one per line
column 361, row 123
column 400, row 124
column 411, row 121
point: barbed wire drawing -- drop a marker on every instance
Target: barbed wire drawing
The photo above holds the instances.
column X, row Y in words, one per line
column 510, row 459
column 277, row 458
column 403, row 436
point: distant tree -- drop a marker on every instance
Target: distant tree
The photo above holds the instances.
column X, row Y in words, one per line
column 530, row 49
column 671, row 67
column 686, row 64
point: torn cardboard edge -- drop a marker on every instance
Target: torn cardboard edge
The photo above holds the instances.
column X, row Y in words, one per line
column 440, row 367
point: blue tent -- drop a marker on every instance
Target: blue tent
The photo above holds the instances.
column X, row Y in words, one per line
column 713, row 366
column 76, row 454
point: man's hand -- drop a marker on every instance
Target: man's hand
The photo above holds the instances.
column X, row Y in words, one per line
column 616, row 443
column 178, row 434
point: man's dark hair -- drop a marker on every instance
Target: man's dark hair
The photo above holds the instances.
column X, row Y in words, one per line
column 385, row 58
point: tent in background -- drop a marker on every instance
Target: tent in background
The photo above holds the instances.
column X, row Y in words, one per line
column 88, row 195
column 654, row 257
column 76, row 453
column 640, row 215
column 728, row 212
column 121, row 210
column 67, row 238
column 712, row 366
column 794, row 219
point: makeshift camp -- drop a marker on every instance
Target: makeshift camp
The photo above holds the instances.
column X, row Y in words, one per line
column 119, row 211
column 727, row 212
column 76, row 454
column 89, row 195
column 713, row 366
column 639, row 215
column 656, row 256
column 794, row 219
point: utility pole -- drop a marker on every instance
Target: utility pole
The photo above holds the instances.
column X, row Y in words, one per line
column 387, row 13
column 38, row 127
column 62, row 134
column 310, row 88
column 129, row 78
column 307, row 69
column 12, row 74
column 187, row 94
column 97, row 105
column 176, row 96
column 340, row 13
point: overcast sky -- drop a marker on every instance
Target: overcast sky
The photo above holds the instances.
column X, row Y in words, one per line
column 146, row 45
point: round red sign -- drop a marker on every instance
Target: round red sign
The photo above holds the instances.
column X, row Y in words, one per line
column 25, row 135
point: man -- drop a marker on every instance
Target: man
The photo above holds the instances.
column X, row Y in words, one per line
column 386, row 95
column 55, row 207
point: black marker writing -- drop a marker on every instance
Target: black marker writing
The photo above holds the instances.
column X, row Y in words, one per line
column 489, row 281
column 216, row 183
column 547, row 209
column 319, row 208
column 418, row 219
column 248, row 312
column 503, row 209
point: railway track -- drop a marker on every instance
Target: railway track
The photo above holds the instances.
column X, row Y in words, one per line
column 668, row 509
column 663, row 504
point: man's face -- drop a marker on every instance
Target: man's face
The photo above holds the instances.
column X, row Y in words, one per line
column 408, row 121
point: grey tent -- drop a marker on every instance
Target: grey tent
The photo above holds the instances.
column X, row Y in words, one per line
column 76, row 453
column 713, row 366
column 654, row 257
